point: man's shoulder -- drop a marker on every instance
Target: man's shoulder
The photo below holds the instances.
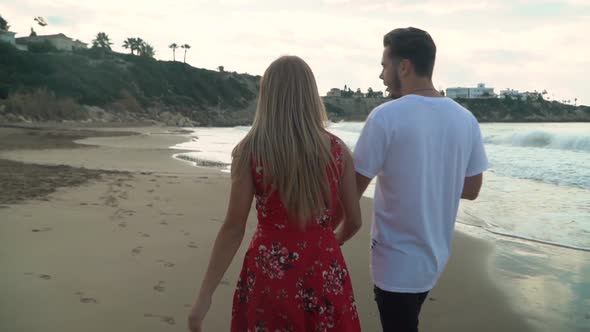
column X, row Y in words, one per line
column 455, row 105
column 387, row 109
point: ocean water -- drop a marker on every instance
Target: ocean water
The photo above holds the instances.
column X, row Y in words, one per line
column 538, row 187
column 535, row 205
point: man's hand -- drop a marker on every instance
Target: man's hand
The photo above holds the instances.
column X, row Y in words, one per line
column 471, row 187
column 362, row 182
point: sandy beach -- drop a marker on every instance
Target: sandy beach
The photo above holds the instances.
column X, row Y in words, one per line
column 124, row 246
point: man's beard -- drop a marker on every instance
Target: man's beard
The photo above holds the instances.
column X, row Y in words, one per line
column 395, row 93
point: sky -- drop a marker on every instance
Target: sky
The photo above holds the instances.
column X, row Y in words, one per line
column 525, row 45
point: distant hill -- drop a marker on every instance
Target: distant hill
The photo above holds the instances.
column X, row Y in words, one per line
column 56, row 85
column 103, row 86
column 485, row 110
column 532, row 110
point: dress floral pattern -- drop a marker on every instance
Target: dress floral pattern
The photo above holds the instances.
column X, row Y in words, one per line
column 294, row 280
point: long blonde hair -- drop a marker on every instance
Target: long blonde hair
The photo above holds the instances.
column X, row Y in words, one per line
column 288, row 138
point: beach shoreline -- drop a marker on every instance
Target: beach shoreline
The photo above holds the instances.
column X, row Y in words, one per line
column 127, row 251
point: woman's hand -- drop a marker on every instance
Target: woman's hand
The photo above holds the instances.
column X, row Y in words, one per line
column 198, row 312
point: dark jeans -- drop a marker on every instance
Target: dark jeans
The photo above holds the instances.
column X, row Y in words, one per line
column 399, row 311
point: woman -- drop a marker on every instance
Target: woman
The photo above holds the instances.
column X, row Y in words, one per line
column 294, row 277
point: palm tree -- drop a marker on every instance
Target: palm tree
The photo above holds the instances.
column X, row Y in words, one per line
column 102, row 40
column 186, row 47
column 136, row 44
column 129, row 44
column 4, row 24
column 147, row 50
column 173, row 46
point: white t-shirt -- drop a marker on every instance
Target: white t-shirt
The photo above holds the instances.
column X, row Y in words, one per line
column 421, row 149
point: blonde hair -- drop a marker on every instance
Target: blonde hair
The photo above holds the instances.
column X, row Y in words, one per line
column 288, row 138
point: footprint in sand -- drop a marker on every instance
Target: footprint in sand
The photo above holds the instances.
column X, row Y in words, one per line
column 150, row 205
column 224, row 282
column 165, row 319
column 185, row 233
column 432, row 299
column 122, row 224
column 136, row 251
column 160, row 286
column 28, row 273
column 83, row 204
column 110, row 201
column 153, row 180
column 4, row 207
column 143, row 234
column 122, row 213
column 163, row 222
column 151, row 191
column 171, row 214
column 85, row 299
column 192, row 245
column 45, row 276
column 166, row 263
column 44, row 229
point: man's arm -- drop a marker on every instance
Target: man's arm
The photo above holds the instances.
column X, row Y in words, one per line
column 471, row 186
column 478, row 163
column 362, row 182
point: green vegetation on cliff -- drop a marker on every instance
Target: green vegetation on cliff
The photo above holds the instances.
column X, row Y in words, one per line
column 114, row 81
column 532, row 110
column 485, row 110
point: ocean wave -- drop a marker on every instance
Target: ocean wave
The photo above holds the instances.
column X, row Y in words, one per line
column 471, row 220
column 543, row 139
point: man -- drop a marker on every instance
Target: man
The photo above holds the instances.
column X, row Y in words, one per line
column 427, row 153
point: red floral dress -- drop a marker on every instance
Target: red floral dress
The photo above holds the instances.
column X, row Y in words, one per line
column 292, row 279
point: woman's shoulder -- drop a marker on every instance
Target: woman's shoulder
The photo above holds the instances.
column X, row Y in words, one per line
column 338, row 143
column 334, row 139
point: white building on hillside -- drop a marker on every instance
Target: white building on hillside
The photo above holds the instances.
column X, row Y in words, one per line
column 7, row 37
column 334, row 92
column 515, row 94
column 481, row 91
column 60, row 41
column 458, row 92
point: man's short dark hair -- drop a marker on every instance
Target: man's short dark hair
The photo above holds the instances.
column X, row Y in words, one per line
column 415, row 45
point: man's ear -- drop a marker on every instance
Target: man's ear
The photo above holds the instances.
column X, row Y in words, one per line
column 404, row 68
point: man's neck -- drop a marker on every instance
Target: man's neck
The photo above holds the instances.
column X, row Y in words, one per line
column 420, row 87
